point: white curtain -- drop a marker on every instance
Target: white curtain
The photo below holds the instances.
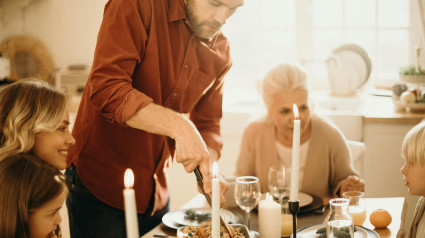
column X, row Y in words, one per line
column 418, row 25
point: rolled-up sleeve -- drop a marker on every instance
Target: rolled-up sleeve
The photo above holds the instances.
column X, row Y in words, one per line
column 120, row 45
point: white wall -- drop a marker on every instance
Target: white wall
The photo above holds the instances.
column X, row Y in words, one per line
column 68, row 28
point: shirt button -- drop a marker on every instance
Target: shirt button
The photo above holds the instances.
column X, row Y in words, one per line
column 185, row 66
column 175, row 94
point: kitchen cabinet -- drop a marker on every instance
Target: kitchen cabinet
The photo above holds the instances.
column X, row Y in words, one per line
column 383, row 161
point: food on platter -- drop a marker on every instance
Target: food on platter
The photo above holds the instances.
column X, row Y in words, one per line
column 204, row 231
column 199, row 216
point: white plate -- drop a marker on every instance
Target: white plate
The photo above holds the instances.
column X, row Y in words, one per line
column 310, row 232
column 348, row 68
column 179, row 216
column 168, row 221
column 305, row 198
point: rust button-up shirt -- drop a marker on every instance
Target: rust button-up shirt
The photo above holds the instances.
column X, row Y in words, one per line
column 145, row 53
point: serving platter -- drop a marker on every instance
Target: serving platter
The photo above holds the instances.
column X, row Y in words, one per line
column 310, row 232
column 413, row 107
column 179, row 216
column 176, row 219
column 243, row 230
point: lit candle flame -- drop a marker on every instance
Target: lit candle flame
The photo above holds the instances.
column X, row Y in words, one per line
column 269, row 197
column 295, row 109
column 128, row 178
column 215, row 169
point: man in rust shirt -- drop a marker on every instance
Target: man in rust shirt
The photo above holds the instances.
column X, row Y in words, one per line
column 154, row 93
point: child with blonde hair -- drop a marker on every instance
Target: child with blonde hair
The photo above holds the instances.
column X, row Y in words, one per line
column 413, row 152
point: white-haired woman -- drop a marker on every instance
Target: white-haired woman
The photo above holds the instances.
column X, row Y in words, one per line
column 34, row 119
column 325, row 165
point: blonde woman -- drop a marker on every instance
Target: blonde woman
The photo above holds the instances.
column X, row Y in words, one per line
column 413, row 153
column 326, row 169
column 34, row 119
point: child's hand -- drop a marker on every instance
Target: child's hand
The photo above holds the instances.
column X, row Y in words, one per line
column 351, row 183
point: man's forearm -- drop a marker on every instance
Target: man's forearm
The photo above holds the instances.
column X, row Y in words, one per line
column 159, row 120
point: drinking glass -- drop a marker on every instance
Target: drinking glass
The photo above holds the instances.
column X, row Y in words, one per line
column 357, row 207
column 247, row 196
column 286, row 220
column 279, row 180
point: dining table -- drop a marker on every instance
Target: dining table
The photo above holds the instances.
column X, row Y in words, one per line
column 396, row 206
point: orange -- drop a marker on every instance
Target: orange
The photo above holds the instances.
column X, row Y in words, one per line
column 380, row 218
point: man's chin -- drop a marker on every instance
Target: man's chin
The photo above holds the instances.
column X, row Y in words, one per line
column 206, row 35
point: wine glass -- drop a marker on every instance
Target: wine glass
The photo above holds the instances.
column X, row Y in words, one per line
column 279, row 180
column 247, row 196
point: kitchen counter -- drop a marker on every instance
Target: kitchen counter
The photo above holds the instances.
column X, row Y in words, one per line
column 374, row 109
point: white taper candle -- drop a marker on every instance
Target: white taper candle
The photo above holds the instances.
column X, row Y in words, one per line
column 293, row 196
column 131, row 222
column 215, row 216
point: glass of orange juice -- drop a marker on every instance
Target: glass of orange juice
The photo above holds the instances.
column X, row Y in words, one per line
column 287, row 224
column 357, row 206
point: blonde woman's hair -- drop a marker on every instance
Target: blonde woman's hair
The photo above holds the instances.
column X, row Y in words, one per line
column 27, row 107
column 413, row 147
column 286, row 76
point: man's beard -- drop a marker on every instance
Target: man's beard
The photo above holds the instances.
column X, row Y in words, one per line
column 196, row 25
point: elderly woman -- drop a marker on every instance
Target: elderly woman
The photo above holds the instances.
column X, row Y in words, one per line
column 325, row 165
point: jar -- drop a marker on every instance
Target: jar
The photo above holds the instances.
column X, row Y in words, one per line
column 339, row 223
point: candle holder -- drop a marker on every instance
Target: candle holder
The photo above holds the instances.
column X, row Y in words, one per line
column 294, row 208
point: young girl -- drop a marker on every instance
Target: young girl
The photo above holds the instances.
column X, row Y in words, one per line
column 34, row 118
column 413, row 152
column 31, row 194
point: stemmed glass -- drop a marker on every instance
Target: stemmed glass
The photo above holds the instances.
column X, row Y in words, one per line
column 279, row 180
column 247, row 196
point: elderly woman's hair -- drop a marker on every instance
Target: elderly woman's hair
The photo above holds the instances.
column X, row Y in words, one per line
column 27, row 107
column 286, row 76
column 413, row 147
column 27, row 183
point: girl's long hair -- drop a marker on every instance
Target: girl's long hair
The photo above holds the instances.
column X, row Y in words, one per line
column 27, row 183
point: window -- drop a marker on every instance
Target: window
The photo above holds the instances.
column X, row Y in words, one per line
column 264, row 33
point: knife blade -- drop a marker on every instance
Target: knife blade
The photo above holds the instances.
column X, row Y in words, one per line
column 200, row 180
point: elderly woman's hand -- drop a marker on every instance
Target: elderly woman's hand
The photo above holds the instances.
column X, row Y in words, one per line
column 351, row 183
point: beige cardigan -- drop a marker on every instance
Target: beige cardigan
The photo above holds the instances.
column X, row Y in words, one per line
column 328, row 157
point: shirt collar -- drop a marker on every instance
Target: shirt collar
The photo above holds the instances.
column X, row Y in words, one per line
column 177, row 11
